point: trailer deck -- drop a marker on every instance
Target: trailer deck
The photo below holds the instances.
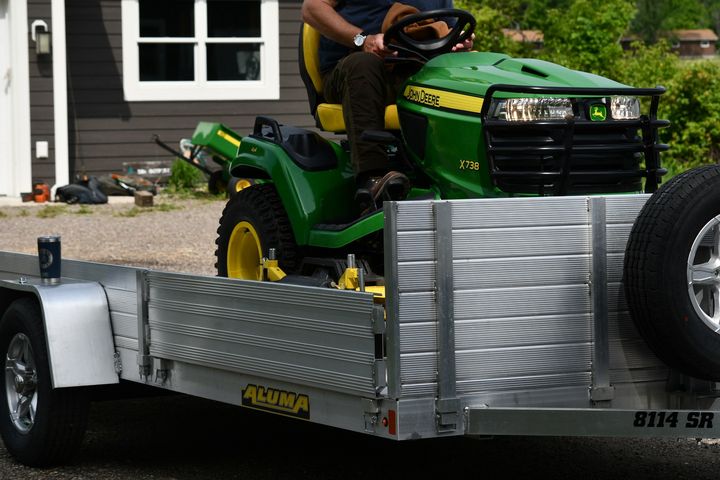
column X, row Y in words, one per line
column 502, row 317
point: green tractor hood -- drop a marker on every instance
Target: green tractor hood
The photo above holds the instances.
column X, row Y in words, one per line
column 473, row 72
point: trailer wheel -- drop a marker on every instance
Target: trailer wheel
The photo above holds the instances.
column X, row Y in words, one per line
column 672, row 272
column 254, row 221
column 39, row 425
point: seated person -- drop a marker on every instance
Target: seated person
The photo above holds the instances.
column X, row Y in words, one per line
column 352, row 54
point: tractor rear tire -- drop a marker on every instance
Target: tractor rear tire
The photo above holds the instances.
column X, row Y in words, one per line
column 39, row 425
column 254, row 221
column 672, row 272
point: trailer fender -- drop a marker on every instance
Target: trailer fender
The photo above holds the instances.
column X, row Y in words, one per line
column 77, row 326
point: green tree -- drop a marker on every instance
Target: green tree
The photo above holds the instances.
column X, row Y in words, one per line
column 647, row 65
column 712, row 9
column 490, row 22
column 540, row 13
column 587, row 35
column 692, row 104
column 657, row 16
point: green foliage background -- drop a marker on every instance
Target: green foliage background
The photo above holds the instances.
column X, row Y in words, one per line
column 585, row 35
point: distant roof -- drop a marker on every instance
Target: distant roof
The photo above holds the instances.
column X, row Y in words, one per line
column 699, row 35
column 530, row 36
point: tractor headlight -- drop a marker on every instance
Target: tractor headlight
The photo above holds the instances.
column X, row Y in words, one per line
column 625, row 108
column 532, row 109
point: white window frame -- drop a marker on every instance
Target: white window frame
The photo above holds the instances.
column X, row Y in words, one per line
column 705, row 44
column 267, row 88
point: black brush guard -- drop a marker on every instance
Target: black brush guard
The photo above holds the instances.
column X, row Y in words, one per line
column 575, row 155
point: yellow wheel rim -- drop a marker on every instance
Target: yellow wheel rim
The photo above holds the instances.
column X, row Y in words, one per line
column 242, row 184
column 244, row 253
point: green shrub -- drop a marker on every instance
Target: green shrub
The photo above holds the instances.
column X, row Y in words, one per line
column 184, row 177
column 692, row 104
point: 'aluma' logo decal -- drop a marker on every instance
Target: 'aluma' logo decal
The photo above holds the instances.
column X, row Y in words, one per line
column 598, row 113
column 276, row 401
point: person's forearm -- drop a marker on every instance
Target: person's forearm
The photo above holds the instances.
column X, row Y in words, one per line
column 321, row 15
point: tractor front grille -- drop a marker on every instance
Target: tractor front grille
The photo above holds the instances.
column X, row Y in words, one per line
column 576, row 155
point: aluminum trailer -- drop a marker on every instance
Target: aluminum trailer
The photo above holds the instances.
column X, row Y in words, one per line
column 502, row 317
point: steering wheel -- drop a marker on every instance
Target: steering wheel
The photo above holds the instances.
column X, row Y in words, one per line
column 397, row 39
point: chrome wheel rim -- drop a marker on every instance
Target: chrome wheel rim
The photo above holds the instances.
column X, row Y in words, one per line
column 703, row 274
column 21, row 383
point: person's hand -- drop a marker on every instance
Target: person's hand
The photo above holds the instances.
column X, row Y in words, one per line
column 375, row 44
column 465, row 46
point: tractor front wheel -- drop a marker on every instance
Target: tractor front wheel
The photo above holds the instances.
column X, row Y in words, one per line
column 254, row 221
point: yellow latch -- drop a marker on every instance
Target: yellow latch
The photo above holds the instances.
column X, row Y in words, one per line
column 350, row 279
column 354, row 279
column 271, row 268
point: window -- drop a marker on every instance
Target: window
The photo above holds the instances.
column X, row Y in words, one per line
column 200, row 50
column 704, row 44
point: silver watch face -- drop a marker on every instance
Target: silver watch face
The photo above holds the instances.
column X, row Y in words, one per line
column 359, row 40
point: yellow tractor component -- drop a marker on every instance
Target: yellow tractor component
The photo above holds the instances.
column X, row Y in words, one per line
column 350, row 280
column 271, row 270
column 244, row 253
column 378, row 292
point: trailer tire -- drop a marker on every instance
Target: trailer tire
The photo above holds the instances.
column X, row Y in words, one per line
column 672, row 272
column 50, row 428
column 254, row 221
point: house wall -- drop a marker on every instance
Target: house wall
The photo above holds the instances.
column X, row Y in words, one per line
column 42, row 126
column 693, row 49
column 105, row 130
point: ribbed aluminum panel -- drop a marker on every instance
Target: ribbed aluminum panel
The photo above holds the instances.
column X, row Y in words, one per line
column 500, row 272
column 499, row 332
column 503, row 362
column 631, row 360
column 522, row 295
column 304, row 335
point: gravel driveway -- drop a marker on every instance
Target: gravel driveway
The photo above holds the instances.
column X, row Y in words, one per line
column 176, row 234
column 178, row 437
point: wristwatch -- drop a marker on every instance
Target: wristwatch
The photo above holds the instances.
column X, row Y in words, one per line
column 359, row 40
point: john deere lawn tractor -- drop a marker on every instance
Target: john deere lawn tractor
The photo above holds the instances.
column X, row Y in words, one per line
column 466, row 125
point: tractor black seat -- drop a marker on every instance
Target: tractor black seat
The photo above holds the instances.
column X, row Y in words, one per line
column 308, row 149
column 328, row 116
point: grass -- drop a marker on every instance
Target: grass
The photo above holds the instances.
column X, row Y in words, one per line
column 51, row 211
column 83, row 210
column 135, row 211
column 3, row 214
column 193, row 194
column 166, row 207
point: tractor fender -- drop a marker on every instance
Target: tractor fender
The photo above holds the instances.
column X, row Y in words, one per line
column 308, row 196
column 76, row 319
column 272, row 162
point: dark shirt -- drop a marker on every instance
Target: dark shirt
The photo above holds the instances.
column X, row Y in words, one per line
column 367, row 15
